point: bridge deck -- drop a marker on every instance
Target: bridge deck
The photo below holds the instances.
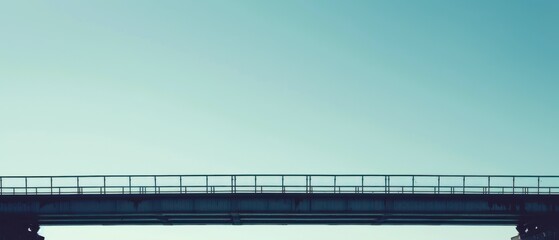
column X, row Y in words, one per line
column 371, row 209
column 280, row 199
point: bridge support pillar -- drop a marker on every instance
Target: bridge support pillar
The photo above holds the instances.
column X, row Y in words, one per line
column 537, row 232
column 19, row 231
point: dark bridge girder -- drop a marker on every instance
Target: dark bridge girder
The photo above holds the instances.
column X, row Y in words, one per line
column 287, row 208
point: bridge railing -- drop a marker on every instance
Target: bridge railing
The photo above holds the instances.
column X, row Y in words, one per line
column 292, row 183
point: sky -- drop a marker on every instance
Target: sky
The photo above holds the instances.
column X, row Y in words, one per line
column 207, row 87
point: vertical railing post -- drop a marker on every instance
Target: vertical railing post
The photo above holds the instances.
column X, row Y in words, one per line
column 50, row 185
column 385, row 184
column 310, row 184
column 78, row 184
column 488, row 184
column 25, row 185
column 538, row 185
column 180, row 184
column 438, row 184
column 1, row 186
column 206, row 184
column 334, row 184
column 255, row 184
column 306, row 184
column 388, row 184
column 129, row 184
column 282, row 184
column 463, row 184
column 413, row 184
column 104, row 185
column 155, row 184
column 234, row 184
column 362, row 184
column 513, row 184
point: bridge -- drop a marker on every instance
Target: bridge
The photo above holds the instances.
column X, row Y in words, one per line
column 531, row 203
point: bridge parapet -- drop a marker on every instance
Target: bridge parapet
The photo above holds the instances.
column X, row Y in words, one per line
column 279, row 183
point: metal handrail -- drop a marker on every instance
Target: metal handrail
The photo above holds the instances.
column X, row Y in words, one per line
column 279, row 183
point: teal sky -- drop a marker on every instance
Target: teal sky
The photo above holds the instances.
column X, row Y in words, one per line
column 194, row 87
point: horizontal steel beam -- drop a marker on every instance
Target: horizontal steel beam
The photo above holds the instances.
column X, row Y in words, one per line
column 287, row 208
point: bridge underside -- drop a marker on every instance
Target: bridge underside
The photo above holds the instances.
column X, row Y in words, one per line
column 279, row 209
column 277, row 219
column 534, row 215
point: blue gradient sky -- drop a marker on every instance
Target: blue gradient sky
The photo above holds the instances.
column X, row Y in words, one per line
column 179, row 87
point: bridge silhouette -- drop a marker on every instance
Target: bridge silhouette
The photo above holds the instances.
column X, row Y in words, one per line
column 531, row 203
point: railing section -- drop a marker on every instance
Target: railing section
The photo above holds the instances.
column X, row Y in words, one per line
column 316, row 184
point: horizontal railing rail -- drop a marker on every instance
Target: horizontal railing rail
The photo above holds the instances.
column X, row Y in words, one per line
column 277, row 183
